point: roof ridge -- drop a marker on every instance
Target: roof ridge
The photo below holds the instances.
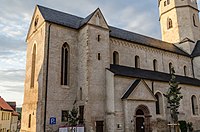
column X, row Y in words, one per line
column 40, row 6
column 140, row 34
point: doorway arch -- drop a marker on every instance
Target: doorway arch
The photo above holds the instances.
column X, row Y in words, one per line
column 142, row 119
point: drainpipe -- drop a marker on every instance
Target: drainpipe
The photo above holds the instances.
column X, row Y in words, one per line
column 47, row 67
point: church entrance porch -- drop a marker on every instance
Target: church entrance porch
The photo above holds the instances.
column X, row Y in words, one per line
column 142, row 119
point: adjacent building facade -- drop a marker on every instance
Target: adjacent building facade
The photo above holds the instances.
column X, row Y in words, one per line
column 8, row 117
column 116, row 78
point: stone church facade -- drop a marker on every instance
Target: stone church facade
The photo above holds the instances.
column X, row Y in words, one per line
column 116, row 78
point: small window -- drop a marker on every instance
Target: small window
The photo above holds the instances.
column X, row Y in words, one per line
column 169, row 23
column 99, row 56
column 81, row 93
column 170, row 67
column 97, row 19
column 194, row 105
column 165, row 3
column 137, row 61
column 115, row 58
column 155, row 65
column 185, row 70
column 65, row 114
column 29, row 121
column 194, row 20
column 98, row 37
column 168, row 2
column 36, row 21
column 159, row 103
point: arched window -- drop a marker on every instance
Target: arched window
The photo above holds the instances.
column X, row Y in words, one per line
column 155, row 65
column 64, row 64
column 29, row 121
column 170, row 67
column 194, row 105
column 139, row 112
column 137, row 61
column 185, row 70
column 115, row 58
column 159, row 103
column 194, row 20
column 33, row 66
column 169, row 23
column 168, row 2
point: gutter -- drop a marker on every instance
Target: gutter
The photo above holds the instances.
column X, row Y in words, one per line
column 47, row 67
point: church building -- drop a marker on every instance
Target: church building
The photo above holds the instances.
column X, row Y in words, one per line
column 116, row 78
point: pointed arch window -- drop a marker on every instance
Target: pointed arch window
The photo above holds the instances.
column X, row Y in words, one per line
column 194, row 20
column 137, row 61
column 33, row 66
column 159, row 103
column 194, row 105
column 169, row 23
column 115, row 58
column 64, row 64
column 170, row 67
column 155, row 65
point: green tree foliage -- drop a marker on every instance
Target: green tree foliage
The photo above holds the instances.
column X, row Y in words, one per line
column 73, row 117
column 174, row 96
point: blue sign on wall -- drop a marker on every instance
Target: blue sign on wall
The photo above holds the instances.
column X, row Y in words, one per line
column 52, row 121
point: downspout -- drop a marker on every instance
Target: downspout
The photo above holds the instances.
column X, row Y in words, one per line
column 192, row 67
column 47, row 67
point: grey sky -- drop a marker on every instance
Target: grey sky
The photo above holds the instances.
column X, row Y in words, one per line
column 139, row 16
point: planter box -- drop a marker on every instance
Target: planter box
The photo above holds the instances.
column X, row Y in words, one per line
column 70, row 129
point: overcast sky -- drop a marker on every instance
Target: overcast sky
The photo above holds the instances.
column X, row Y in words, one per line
column 139, row 16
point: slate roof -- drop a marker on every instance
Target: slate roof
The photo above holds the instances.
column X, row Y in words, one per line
column 76, row 22
column 196, row 51
column 4, row 105
column 60, row 18
column 151, row 75
column 131, row 88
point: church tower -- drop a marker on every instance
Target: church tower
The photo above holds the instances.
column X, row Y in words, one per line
column 179, row 20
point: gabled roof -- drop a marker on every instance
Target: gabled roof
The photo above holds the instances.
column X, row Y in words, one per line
column 60, row 18
column 144, row 40
column 186, row 40
column 151, row 75
column 196, row 51
column 5, row 106
column 131, row 88
column 136, row 90
column 76, row 22
column 86, row 20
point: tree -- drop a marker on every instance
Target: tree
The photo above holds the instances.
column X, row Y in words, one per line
column 73, row 118
column 174, row 97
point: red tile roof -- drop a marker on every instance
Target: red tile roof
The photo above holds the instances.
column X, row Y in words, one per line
column 4, row 105
column 15, row 113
